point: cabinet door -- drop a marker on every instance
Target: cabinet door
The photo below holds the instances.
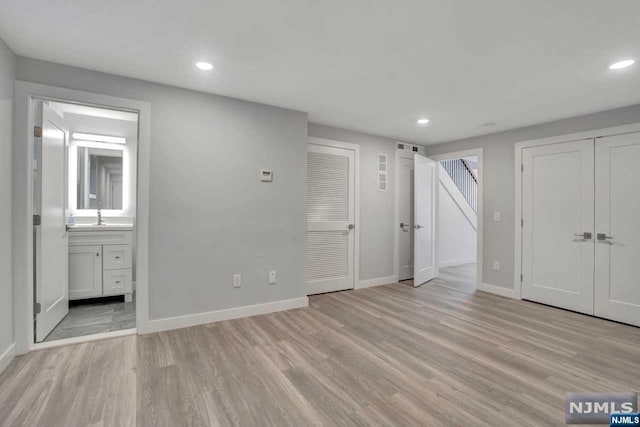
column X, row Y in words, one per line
column 85, row 272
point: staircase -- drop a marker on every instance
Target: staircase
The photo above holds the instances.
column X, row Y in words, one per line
column 465, row 179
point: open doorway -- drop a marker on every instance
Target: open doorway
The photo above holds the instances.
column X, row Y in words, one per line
column 84, row 209
column 457, row 234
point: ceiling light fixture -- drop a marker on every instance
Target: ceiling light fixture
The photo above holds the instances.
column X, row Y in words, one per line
column 204, row 66
column 621, row 64
column 99, row 138
column 423, row 121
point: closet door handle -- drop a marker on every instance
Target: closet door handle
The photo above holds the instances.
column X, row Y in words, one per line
column 603, row 237
column 586, row 235
column 418, row 226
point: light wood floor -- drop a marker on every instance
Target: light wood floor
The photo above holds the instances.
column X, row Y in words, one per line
column 391, row 355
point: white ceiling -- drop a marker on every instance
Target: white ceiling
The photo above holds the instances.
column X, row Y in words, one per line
column 374, row 66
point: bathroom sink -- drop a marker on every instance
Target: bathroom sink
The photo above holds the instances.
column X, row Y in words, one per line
column 103, row 227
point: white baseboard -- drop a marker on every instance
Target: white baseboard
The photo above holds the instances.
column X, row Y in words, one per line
column 454, row 262
column 227, row 314
column 7, row 357
column 498, row 290
column 378, row 281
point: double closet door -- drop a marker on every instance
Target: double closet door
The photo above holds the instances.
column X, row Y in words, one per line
column 581, row 226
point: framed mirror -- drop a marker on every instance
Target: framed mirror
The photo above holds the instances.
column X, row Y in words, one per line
column 97, row 176
column 99, row 179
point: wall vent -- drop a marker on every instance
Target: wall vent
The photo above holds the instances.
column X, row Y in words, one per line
column 382, row 172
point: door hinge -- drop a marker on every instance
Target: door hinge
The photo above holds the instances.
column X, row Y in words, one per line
column 521, row 277
column 521, row 222
column 37, row 308
column 37, row 220
column 37, row 131
column 522, row 167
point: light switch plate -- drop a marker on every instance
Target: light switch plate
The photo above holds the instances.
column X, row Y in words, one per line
column 496, row 265
column 496, row 216
column 272, row 277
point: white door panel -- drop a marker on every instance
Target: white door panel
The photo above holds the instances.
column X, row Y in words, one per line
column 330, row 219
column 405, row 175
column 617, row 268
column 52, row 263
column 557, row 205
column 425, row 216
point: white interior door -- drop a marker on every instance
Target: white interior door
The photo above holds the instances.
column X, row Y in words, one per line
column 425, row 193
column 330, row 219
column 557, row 210
column 52, row 252
column 405, row 185
column 617, row 240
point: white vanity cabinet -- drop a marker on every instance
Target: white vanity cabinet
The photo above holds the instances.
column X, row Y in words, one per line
column 100, row 263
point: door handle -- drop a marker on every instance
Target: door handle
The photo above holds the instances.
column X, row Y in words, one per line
column 351, row 226
column 586, row 235
column 403, row 225
column 603, row 236
column 418, row 226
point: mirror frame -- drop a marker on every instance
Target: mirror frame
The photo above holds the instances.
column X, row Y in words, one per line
column 72, row 177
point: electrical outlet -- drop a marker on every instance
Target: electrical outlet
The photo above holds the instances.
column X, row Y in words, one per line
column 237, row 280
column 496, row 265
column 496, row 216
column 272, row 277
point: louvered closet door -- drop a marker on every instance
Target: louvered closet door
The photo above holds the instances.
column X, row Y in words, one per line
column 330, row 219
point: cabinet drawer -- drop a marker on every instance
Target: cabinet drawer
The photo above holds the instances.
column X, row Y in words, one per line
column 116, row 257
column 116, row 282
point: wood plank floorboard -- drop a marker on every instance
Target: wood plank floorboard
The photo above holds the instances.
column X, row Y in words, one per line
column 437, row 355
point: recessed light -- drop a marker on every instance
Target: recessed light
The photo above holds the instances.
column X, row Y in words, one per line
column 204, row 66
column 423, row 121
column 621, row 64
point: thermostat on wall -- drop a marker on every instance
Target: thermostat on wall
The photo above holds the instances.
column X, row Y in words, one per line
column 266, row 175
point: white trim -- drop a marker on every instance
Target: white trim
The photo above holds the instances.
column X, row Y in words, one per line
column 517, row 165
column 7, row 357
column 498, row 290
column 25, row 92
column 83, row 339
column 479, row 152
column 189, row 320
column 356, row 214
column 378, row 281
column 460, row 261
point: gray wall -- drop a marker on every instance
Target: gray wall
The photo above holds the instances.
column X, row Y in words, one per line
column 209, row 216
column 499, row 179
column 7, row 75
column 377, row 209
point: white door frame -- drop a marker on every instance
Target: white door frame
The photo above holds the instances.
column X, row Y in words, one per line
column 519, row 146
column 25, row 93
column 478, row 152
column 356, row 214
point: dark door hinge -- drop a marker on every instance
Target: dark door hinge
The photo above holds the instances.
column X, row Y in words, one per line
column 521, row 277
column 37, row 220
column 37, row 308
column 522, row 167
column 37, row 131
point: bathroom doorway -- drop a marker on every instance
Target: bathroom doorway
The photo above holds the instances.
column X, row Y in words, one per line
column 84, row 209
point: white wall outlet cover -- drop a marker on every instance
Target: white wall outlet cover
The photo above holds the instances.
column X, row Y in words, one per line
column 266, row 175
column 272, row 277
column 496, row 265
column 237, row 281
column 496, row 216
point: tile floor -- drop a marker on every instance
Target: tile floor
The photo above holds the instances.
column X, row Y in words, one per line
column 95, row 316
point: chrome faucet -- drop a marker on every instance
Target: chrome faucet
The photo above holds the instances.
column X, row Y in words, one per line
column 101, row 221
